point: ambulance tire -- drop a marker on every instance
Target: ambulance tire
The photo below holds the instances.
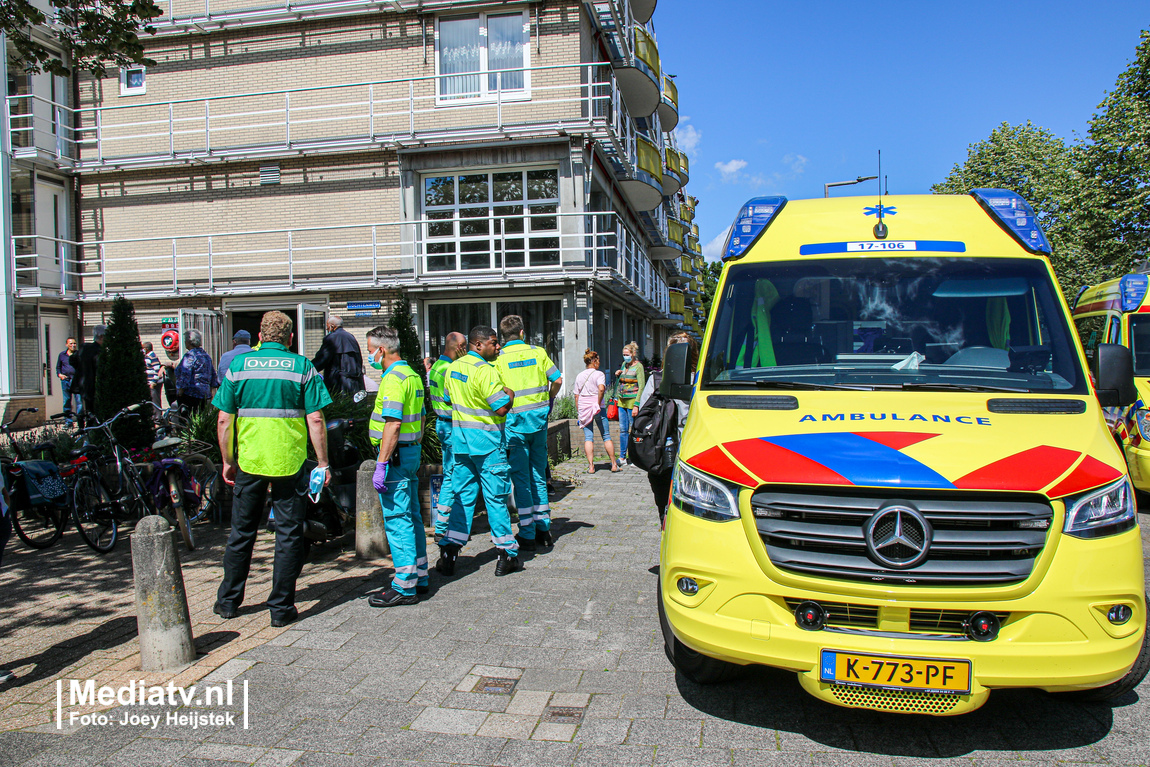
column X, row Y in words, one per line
column 1125, row 684
column 699, row 668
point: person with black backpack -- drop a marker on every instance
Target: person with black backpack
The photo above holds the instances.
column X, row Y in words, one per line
column 657, row 428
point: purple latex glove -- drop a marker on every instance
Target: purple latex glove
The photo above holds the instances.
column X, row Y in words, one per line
column 379, row 479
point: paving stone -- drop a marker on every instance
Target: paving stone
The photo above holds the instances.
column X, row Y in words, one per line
column 675, row 756
column 528, row 702
column 553, row 731
column 456, row 749
column 554, row 680
column 477, row 701
column 666, row 732
column 449, row 720
column 536, row 754
column 615, row 756
column 508, row 726
column 570, row 699
column 603, row 732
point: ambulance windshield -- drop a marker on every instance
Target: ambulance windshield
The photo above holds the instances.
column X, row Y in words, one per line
column 905, row 323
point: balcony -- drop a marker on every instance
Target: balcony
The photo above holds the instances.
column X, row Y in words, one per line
column 671, row 180
column 558, row 101
column 669, row 105
column 639, row 77
column 687, row 206
column 644, row 187
column 526, row 249
column 678, row 304
column 643, row 10
column 685, row 172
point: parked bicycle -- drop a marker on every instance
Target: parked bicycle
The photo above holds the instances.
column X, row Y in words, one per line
column 204, row 475
column 39, row 497
column 107, row 487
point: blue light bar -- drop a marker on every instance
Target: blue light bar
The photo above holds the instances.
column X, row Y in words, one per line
column 1132, row 289
column 1015, row 215
column 754, row 217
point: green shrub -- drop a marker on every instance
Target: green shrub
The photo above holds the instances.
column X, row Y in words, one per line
column 120, row 376
column 564, row 407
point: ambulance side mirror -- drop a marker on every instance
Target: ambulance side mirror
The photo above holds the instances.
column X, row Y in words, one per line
column 1113, row 369
column 676, row 382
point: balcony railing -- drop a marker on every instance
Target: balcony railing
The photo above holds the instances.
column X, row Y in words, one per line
column 577, row 245
column 347, row 117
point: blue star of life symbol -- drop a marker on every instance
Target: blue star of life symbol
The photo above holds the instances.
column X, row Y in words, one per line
column 880, row 210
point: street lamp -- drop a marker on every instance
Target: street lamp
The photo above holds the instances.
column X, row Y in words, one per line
column 859, row 180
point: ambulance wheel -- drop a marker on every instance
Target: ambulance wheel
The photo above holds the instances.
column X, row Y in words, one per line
column 1127, row 683
column 699, row 668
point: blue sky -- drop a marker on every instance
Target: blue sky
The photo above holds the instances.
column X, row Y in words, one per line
column 779, row 97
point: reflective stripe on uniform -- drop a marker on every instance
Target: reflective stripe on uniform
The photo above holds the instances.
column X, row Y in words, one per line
column 268, row 412
column 477, row 425
column 267, row 375
column 496, row 397
column 533, row 390
column 532, row 406
column 471, row 410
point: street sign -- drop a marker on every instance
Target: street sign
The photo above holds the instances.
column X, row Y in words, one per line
column 353, row 305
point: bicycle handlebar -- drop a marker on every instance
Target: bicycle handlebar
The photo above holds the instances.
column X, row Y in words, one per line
column 5, row 427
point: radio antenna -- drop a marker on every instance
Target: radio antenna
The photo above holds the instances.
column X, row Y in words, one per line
column 880, row 230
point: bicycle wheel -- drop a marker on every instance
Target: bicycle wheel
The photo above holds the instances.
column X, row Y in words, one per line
column 175, row 482
column 39, row 526
column 207, row 475
column 92, row 511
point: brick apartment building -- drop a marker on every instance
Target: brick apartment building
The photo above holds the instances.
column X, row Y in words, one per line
column 472, row 158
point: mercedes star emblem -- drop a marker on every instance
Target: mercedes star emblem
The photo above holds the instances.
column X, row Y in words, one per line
column 898, row 537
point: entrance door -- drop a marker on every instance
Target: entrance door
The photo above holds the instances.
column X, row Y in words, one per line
column 56, row 330
column 313, row 324
column 51, row 222
column 210, row 324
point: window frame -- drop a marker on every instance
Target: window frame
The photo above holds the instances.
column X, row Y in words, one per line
column 456, row 207
column 128, row 90
column 485, row 95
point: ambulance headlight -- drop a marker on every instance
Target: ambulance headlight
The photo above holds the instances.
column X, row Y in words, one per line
column 1143, row 417
column 703, row 495
column 1107, row 511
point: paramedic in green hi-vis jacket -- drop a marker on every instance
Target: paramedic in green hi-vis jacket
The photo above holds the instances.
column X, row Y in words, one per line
column 479, row 404
column 396, row 432
column 535, row 380
column 454, row 347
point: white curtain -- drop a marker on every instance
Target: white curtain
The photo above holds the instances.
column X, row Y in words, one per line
column 459, row 60
column 506, row 39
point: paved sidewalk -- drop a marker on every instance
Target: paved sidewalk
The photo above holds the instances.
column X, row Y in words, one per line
column 561, row 664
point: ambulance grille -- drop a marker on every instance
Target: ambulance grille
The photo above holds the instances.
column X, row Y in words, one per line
column 944, row 621
column 843, row 613
column 980, row 539
column 897, row 701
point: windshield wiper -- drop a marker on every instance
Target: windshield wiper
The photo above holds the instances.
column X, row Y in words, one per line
column 928, row 386
column 799, row 385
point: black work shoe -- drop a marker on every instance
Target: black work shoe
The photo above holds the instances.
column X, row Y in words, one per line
column 447, row 557
column 422, row 589
column 227, row 613
column 280, row 622
column 543, row 537
column 6, row 676
column 506, row 564
column 525, row 544
column 391, row 598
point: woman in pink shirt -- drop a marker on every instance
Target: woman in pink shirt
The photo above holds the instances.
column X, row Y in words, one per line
column 589, row 388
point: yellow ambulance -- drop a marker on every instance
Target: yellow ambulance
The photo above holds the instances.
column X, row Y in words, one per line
column 895, row 478
column 1117, row 312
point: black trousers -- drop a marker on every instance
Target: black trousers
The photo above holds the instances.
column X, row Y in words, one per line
column 661, row 488
column 249, row 494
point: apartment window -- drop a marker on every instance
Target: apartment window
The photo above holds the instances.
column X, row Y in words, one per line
column 132, row 81
column 481, row 55
column 491, row 220
column 26, row 339
column 542, row 320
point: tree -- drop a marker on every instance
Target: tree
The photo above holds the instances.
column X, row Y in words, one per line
column 92, row 33
column 708, row 282
column 1038, row 165
column 121, row 379
column 1116, row 159
column 409, row 348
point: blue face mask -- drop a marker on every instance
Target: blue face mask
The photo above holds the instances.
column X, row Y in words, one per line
column 626, row 357
column 374, row 364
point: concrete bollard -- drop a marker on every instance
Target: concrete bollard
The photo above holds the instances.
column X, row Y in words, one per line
column 162, row 619
column 370, row 537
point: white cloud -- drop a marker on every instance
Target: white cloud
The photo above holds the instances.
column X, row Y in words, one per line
column 796, row 162
column 713, row 250
column 730, row 170
column 688, row 137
